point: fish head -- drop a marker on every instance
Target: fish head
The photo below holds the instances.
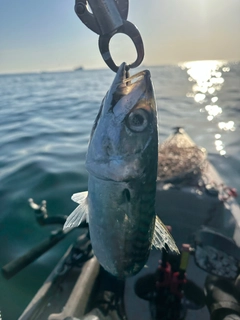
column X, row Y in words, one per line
column 124, row 137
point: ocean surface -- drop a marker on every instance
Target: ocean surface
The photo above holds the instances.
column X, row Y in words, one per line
column 45, row 123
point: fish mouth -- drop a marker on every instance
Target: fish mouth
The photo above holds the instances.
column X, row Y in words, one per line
column 126, row 91
column 123, row 78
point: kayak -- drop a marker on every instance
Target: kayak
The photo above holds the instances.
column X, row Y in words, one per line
column 190, row 193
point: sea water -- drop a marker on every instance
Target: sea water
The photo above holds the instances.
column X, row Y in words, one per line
column 45, row 123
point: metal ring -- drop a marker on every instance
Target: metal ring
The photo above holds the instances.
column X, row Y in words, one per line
column 130, row 30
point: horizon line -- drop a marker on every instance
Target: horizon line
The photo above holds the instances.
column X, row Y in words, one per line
column 74, row 69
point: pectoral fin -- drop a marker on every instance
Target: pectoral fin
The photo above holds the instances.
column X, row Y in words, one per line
column 79, row 197
column 81, row 212
column 162, row 237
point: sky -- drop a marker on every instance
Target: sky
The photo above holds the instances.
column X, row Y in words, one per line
column 47, row 34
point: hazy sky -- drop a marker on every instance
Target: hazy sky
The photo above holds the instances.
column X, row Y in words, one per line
column 47, row 34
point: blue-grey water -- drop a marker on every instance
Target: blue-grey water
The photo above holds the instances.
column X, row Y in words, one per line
column 45, row 122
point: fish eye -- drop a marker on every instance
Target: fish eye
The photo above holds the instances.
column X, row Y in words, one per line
column 137, row 120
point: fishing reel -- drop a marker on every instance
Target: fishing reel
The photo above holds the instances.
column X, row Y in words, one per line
column 170, row 293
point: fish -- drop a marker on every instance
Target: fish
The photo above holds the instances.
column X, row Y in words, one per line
column 122, row 161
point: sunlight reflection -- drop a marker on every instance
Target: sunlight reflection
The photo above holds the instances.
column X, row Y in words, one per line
column 214, row 99
column 218, row 143
column 207, row 78
column 213, row 110
column 199, row 97
column 222, row 152
column 226, row 69
column 210, row 118
column 227, row 126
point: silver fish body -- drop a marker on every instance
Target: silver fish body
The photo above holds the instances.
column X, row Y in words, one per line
column 121, row 241
column 122, row 163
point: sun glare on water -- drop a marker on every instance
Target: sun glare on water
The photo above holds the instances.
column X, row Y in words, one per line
column 207, row 78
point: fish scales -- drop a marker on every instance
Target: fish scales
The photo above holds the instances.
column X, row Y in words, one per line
column 136, row 250
column 125, row 235
column 122, row 161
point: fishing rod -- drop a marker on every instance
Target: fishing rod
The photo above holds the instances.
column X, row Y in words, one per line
column 42, row 217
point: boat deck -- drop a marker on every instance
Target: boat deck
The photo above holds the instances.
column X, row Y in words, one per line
column 189, row 210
